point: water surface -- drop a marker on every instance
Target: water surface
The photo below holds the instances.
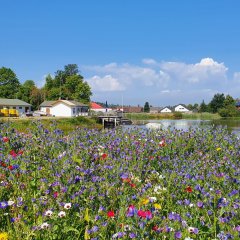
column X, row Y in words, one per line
column 232, row 125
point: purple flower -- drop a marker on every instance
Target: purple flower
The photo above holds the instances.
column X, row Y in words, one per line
column 3, row 204
column 200, row 204
column 132, row 235
column 178, row 235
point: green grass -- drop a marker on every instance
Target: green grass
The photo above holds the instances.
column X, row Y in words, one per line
column 159, row 116
column 205, row 116
column 64, row 124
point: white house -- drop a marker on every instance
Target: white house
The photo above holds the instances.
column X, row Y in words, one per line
column 64, row 108
column 166, row 110
column 180, row 108
column 20, row 106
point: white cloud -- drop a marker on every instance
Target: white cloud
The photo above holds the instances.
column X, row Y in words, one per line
column 207, row 70
column 162, row 81
column 149, row 61
column 105, row 84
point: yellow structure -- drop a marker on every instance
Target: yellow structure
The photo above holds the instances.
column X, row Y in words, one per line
column 5, row 112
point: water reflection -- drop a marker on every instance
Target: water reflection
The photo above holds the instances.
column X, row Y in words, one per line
column 232, row 125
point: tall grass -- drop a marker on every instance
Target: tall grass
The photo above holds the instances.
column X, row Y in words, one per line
column 64, row 124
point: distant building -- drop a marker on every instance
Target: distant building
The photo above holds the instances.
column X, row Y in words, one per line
column 155, row 109
column 20, row 106
column 98, row 108
column 180, row 108
column 64, row 108
column 166, row 110
column 132, row 109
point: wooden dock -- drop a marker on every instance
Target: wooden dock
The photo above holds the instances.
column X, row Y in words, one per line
column 113, row 121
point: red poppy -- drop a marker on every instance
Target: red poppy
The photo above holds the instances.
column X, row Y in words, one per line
column 188, row 189
column 127, row 180
column 5, row 139
column 10, row 167
column 110, row 214
column 133, row 185
column 104, row 155
column 3, row 164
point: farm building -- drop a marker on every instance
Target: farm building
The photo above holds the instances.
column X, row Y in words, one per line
column 64, row 108
column 14, row 106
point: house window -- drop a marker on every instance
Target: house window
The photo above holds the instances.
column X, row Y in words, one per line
column 19, row 107
column 73, row 110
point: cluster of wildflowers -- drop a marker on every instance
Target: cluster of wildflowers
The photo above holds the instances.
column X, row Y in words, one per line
column 119, row 184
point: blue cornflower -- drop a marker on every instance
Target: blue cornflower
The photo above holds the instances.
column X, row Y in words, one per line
column 3, row 204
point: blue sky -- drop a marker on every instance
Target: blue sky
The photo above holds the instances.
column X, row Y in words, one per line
column 163, row 52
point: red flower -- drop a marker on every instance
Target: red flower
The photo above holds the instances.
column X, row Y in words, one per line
column 188, row 189
column 13, row 153
column 127, row 180
column 55, row 194
column 155, row 228
column 3, row 164
column 110, row 214
column 5, row 139
column 133, row 185
column 104, row 155
column 10, row 167
column 141, row 213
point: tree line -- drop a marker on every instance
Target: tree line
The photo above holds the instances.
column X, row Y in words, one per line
column 225, row 106
column 65, row 84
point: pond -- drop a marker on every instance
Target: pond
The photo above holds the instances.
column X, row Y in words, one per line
column 232, row 125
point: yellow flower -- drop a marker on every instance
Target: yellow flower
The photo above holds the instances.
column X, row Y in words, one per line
column 157, row 206
column 145, row 201
column 3, row 236
column 218, row 149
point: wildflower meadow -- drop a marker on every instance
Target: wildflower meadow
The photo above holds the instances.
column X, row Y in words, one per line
column 119, row 184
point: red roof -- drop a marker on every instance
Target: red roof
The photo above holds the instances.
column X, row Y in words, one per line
column 95, row 106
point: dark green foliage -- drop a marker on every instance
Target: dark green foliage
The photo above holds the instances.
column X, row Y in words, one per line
column 203, row 107
column 217, row 102
column 146, row 107
column 67, row 84
column 9, row 83
column 229, row 111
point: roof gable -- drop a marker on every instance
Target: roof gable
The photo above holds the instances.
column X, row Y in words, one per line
column 70, row 103
column 13, row 102
column 96, row 106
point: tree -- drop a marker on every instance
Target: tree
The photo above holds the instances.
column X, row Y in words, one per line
column 217, row 102
column 24, row 92
column 67, row 84
column 203, row 107
column 37, row 97
column 146, row 107
column 9, row 83
column 229, row 101
column 229, row 111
